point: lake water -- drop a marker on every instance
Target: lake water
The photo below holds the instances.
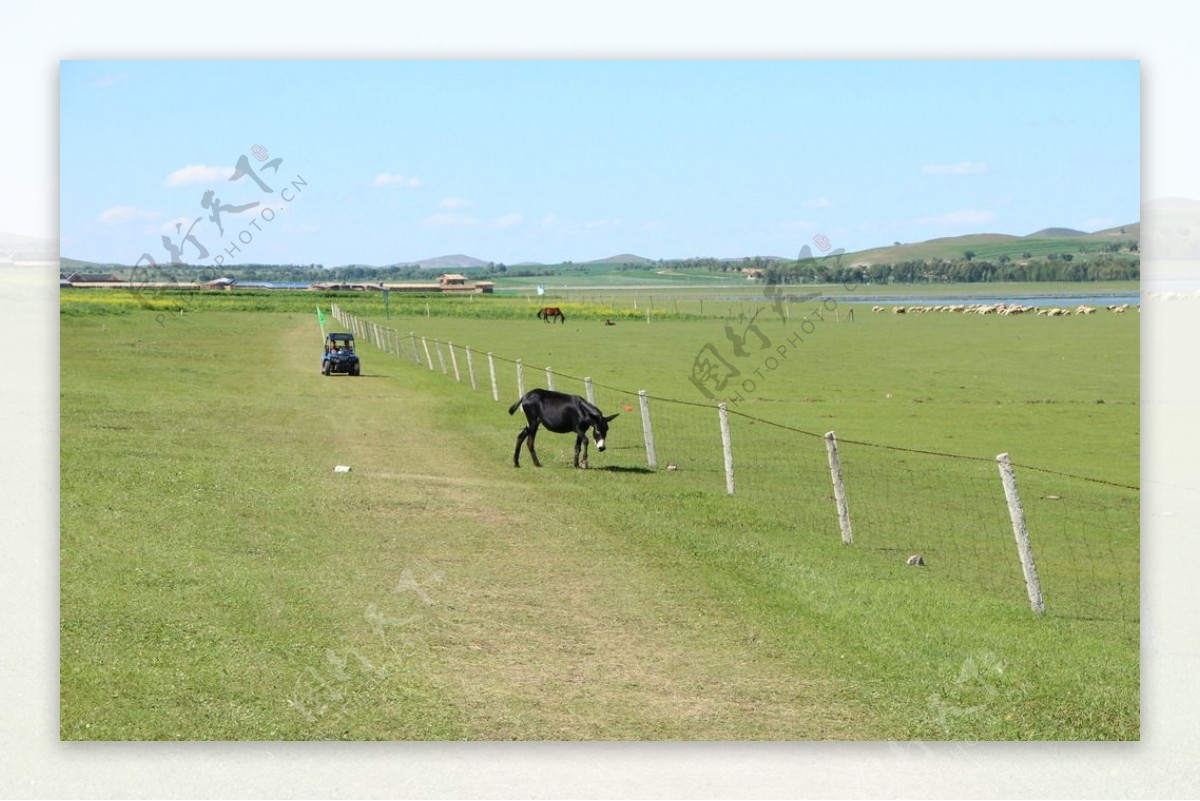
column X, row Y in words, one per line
column 1065, row 300
column 270, row 285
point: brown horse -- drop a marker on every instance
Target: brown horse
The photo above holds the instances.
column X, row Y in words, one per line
column 547, row 314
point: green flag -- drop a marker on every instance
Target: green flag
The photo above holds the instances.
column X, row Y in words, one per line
column 320, row 317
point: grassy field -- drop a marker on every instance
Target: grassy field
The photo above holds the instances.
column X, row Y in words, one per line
column 1060, row 393
column 219, row 581
column 631, row 298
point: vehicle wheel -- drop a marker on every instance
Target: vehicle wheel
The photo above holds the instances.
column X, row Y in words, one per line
column 354, row 370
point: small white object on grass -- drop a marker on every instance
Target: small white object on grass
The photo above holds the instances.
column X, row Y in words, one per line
column 342, row 468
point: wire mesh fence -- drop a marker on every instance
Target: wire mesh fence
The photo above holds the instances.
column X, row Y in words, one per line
column 943, row 513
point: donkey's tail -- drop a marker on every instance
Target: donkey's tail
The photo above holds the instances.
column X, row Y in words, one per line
column 513, row 409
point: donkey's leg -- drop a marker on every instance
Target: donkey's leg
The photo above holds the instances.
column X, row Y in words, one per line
column 517, row 452
column 581, row 441
column 529, row 442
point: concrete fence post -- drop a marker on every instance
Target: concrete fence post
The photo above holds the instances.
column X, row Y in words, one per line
column 437, row 345
column 471, row 368
column 492, row 372
column 726, row 446
column 839, row 488
column 647, row 431
column 428, row 358
column 1016, row 513
column 454, row 363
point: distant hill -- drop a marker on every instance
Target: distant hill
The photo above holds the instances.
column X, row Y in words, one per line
column 76, row 264
column 1047, row 233
column 1047, row 242
column 622, row 258
column 943, row 247
column 455, row 262
column 1133, row 230
column 987, row 246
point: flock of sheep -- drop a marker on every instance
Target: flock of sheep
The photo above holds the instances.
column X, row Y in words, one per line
column 1004, row 309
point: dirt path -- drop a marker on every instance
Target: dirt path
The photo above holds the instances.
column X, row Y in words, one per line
column 532, row 623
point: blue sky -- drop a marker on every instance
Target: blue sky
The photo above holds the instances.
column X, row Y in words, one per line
column 509, row 161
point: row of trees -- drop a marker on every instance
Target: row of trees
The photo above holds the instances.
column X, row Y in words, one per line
column 1106, row 266
column 295, row 273
column 1103, row 267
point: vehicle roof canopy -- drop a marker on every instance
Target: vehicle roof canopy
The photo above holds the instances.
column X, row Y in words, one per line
column 339, row 336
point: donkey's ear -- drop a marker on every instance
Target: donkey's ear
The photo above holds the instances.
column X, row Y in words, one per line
column 611, row 417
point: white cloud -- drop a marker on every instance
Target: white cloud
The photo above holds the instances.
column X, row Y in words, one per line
column 396, row 179
column 506, row 221
column 961, row 168
column 198, row 174
column 818, row 203
column 121, row 214
column 595, row 225
column 958, row 217
column 549, row 221
column 454, row 203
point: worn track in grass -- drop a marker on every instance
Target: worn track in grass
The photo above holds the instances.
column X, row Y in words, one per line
column 220, row 582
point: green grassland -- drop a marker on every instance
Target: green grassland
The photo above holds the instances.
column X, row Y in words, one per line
column 1038, row 387
column 219, row 581
column 604, row 276
column 632, row 300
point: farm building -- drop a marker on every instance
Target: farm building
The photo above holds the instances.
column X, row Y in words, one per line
column 449, row 282
column 76, row 278
column 329, row 286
